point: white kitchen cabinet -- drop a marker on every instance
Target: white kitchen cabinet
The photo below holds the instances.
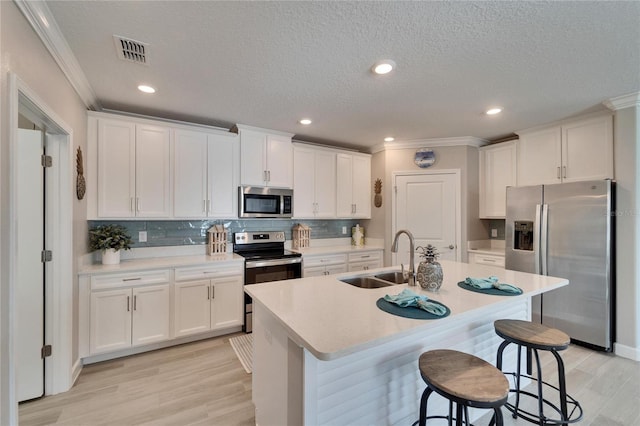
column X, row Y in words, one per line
column 353, row 177
column 497, row 171
column 323, row 264
column 126, row 317
column 266, row 157
column 574, row 150
column 365, row 260
column 214, row 301
column 314, row 182
column 205, row 174
column 486, row 259
column 133, row 169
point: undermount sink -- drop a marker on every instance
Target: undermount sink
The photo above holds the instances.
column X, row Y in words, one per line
column 394, row 277
column 376, row 281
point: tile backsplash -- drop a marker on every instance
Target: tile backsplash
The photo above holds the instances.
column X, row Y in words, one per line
column 194, row 232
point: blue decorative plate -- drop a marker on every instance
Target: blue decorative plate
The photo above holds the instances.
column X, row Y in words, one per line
column 409, row 312
column 424, row 158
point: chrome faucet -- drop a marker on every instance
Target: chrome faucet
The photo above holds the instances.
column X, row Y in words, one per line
column 394, row 249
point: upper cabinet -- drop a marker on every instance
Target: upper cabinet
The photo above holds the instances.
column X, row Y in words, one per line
column 575, row 150
column 141, row 168
column 497, row 171
column 133, row 169
column 266, row 157
column 205, row 174
column 353, row 176
column 314, row 182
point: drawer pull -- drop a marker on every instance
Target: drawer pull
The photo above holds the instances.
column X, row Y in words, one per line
column 132, row 279
column 208, row 272
column 488, row 260
column 365, row 257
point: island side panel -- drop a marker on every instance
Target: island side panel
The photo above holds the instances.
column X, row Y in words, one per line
column 382, row 385
column 277, row 372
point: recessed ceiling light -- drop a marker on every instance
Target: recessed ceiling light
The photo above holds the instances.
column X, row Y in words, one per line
column 383, row 67
column 305, row 121
column 389, row 139
column 494, row 111
column 146, row 89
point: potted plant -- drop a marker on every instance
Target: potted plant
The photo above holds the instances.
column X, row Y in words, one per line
column 109, row 239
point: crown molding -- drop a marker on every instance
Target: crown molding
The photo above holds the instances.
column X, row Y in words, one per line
column 624, row 101
column 44, row 24
column 430, row 143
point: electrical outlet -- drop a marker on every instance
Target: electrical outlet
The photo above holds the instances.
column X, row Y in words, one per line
column 344, row 230
column 142, row 236
column 494, row 233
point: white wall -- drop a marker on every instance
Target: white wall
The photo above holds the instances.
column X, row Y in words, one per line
column 22, row 53
column 627, row 173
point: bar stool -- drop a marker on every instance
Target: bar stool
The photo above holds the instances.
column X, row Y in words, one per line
column 465, row 380
column 535, row 337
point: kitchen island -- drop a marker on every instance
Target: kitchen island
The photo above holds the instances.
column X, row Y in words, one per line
column 325, row 354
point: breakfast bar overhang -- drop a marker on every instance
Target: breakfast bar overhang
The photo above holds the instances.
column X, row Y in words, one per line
column 324, row 354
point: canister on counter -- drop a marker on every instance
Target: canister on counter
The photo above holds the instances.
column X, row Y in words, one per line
column 357, row 236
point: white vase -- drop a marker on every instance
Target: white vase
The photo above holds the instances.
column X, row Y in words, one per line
column 110, row 257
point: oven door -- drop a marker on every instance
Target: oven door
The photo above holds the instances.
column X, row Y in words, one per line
column 257, row 272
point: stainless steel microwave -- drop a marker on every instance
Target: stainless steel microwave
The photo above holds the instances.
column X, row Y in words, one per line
column 258, row 201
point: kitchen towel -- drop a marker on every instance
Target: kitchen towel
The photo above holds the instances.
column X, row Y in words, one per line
column 496, row 288
column 408, row 298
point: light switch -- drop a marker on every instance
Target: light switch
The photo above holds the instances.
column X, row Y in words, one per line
column 142, row 236
column 344, row 230
column 494, row 233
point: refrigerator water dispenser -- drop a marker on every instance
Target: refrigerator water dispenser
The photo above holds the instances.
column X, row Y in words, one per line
column 523, row 235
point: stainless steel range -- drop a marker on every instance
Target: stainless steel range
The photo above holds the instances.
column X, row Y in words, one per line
column 265, row 260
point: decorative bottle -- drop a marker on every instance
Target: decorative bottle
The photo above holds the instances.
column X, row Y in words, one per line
column 429, row 270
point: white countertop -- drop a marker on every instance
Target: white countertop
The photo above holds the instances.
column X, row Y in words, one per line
column 331, row 318
column 337, row 249
column 160, row 262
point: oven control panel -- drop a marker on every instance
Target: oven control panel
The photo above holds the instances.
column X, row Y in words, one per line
column 259, row 237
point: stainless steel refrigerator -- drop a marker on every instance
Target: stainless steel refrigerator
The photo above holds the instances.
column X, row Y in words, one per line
column 566, row 230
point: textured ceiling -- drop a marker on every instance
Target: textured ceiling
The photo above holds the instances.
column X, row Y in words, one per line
column 268, row 64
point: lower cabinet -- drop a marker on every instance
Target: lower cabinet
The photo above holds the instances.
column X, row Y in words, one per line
column 363, row 261
column 486, row 259
column 317, row 265
column 127, row 317
column 212, row 303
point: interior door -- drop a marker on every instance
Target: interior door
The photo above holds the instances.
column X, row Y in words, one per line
column 427, row 205
column 30, row 273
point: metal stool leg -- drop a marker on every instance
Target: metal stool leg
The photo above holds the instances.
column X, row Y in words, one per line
column 458, row 414
column 540, row 396
column 450, row 419
column 517, row 404
column 423, row 406
column 562, row 386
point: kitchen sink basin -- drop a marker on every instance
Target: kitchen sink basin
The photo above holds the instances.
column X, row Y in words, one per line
column 394, row 277
column 366, row 282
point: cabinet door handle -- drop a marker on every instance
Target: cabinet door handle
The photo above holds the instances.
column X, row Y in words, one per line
column 208, row 293
column 135, row 302
column 138, row 204
column 209, row 206
column 213, row 291
column 268, row 175
column 128, row 299
column 558, row 174
column 204, row 206
column 564, row 172
column 131, row 204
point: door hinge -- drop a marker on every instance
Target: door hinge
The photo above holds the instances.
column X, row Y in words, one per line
column 46, row 256
column 46, row 161
column 46, row 351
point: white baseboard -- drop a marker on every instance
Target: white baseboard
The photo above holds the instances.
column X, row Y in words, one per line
column 626, row 351
column 75, row 371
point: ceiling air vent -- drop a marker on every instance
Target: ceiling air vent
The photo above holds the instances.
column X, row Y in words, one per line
column 132, row 50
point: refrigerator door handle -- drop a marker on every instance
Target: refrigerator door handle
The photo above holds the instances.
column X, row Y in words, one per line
column 536, row 240
column 543, row 237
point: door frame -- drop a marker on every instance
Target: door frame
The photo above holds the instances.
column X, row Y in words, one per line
column 59, row 306
column 458, row 220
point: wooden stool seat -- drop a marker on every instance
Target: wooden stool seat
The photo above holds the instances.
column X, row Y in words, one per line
column 532, row 335
column 463, row 377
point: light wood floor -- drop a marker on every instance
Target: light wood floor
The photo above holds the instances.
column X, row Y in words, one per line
column 203, row 383
column 200, row 383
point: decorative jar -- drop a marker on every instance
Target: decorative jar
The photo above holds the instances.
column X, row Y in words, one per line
column 429, row 270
